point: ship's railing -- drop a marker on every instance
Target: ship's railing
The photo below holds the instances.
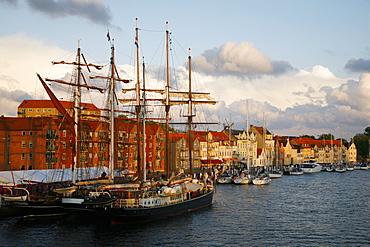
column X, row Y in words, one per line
column 126, row 203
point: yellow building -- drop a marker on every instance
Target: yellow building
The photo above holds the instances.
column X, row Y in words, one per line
column 45, row 108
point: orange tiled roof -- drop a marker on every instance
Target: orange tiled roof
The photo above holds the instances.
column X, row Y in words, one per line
column 320, row 143
column 49, row 104
column 32, row 123
column 220, row 136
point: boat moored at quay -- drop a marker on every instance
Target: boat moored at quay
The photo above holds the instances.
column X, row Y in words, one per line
column 310, row 166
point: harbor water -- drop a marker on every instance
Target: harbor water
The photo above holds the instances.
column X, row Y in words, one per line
column 323, row 209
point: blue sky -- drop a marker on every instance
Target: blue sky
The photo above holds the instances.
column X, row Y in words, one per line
column 303, row 65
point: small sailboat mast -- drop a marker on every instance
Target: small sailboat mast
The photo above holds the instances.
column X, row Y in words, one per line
column 248, row 137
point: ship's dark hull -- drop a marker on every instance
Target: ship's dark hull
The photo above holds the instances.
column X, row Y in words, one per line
column 139, row 215
column 8, row 209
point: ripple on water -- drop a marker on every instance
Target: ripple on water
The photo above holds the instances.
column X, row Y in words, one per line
column 324, row 209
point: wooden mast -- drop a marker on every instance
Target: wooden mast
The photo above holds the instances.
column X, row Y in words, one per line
column 190, row 119
column 167, row 106
column 77, row 104
column 138, row 105
column 143, row 111
column 111, row 104
column 77, row 115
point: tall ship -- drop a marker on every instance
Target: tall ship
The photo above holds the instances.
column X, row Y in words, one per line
column 147, row 200
column 140, row 199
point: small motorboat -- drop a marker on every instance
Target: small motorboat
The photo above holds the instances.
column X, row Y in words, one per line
column 276, row 174
column 262, row 180
column 244, row 178
column 296, row 171
column 225, row 178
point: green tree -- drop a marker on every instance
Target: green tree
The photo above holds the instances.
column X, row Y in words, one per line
column 325, row 137
column 362, row 144
column 367, row 131
column 309, row 136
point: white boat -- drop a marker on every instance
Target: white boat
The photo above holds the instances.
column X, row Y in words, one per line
column 22, row 196
column 225, row 178
column 340, row 169
column 357, row 166
column 276, row 174
column 350, row 167
column 262, row 180
column 244, row 178
column 14, row 198
column 310, row 166
column 364, row 166
column 67, row 190
column 296, row 171
column 329, row 168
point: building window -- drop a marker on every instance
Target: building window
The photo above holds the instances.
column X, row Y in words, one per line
column 23, row 167
column 64, row 156
column 23, row 157
column 30, row 167
column 30, row 157
column 29, row 109
column 23, row 133
column 30, row 144
column 31, row 133
column 64, row 133
column 23, row 144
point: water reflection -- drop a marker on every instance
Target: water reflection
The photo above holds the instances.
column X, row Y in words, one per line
column 324, row 209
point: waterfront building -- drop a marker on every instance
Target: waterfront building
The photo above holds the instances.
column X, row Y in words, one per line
column 352, row 153
column 48, row 143
column 265, row 145
column 34, row 143
column 45, row 108
column 246, row 146
column 179, row 151
column 209, row 149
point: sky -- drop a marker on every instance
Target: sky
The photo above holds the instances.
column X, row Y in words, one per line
column 297, row 67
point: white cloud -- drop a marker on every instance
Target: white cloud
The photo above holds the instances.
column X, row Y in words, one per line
column 307, row 101
column 22, row 57
column 242, row 60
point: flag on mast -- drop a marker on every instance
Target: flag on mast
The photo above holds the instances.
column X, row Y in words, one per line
column 108, row 36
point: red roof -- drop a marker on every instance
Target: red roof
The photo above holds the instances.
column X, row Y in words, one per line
column 260, row 130
column 177, row 136
column 49, row 104
column 320, row 143
column 219, row 136
column 30, row 123
column 200, row 138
